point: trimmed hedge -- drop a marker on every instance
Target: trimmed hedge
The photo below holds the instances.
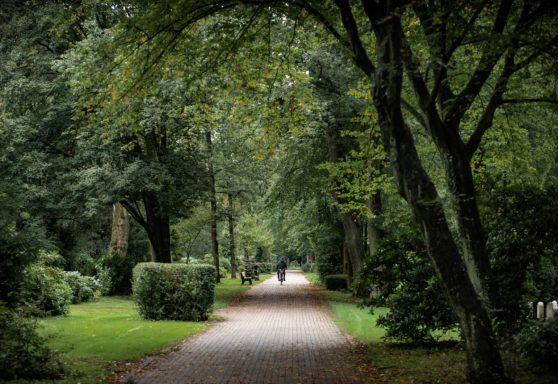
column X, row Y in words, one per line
column 174, row 291
column 336, row 282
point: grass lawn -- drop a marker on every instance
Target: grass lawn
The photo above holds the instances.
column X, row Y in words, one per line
column 96, row 337
column 444, row 363
column 229, row 289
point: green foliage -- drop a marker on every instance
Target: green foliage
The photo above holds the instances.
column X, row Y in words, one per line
column 400, row 277
column 119, row 269
column 45, row 291
column 522, row 231
column 23, row 353
column 84, row 288
column 336, row 282
column 174, row 291
column 265, row 267
column 539, row 341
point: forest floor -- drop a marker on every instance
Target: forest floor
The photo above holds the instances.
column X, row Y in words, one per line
column 273, row 334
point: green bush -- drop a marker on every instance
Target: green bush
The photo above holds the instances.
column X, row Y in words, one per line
column 45, row 291
column 336, row 282
column 223, row 272
column 264, row 267
column 120, row 272
column 23, row 353
column 399, row 276
column 84, row 288
column 174, row 291
column 539, row 342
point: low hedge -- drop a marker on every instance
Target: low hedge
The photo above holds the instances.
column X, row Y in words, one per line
column 174, row 291
column 336, row 282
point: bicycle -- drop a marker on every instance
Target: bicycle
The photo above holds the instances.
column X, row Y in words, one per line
column 282, row 275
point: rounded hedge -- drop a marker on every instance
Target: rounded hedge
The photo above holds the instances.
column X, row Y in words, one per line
column 45, row 291
column 174, row 291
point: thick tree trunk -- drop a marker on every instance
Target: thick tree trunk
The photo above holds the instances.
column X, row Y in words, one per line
column 485, row 364
column 353, row 244
column 120, row 230
column 232, row 251
column 213, row 202
column 374, row 231
column 157, row 227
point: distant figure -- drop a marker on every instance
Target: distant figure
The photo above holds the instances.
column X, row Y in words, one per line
column 282, row 264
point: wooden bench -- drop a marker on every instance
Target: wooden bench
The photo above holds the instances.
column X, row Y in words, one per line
column 245, row 277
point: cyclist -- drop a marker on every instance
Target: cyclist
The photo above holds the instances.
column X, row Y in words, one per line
column 281, row 265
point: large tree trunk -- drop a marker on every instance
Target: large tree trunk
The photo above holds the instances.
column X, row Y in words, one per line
column 157, row 227
column 353, row 244
column 232, row 251
column 374, row 230
column 484, row 361
column 120, row 230
column 213, row 203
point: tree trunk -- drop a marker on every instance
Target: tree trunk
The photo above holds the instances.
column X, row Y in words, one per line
column 353, row 244
column 120, row 230
column 232, row 254
column 484, row 361
column 213, row 202
column 157, row 227
column 374, row 231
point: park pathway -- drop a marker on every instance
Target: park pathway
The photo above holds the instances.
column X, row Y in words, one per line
column 273, row 334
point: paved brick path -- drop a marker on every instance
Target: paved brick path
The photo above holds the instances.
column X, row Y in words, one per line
column 274, row 334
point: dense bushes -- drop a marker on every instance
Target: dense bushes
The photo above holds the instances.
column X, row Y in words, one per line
column 522, row 231
column 399, row 276
column 23, row 353
column 174, row 291
column 336, row 282
column 119, row 269
column 264, row 267
column 539, row 341
column 45, row 291
column 84, row 288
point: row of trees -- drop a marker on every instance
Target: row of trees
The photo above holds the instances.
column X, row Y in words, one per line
column 232, row 128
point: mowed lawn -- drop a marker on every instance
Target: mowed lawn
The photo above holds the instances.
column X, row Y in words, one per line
column 97, row 338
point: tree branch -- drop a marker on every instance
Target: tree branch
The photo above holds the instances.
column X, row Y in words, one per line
column 360, row 56
column 483, row 70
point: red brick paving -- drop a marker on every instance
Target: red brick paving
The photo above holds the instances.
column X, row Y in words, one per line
column 273, row 334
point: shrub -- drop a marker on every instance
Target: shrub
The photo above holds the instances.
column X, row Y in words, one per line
column 264, row 267
column 120, row 272
column 399, row 276
column 84, row 288
column 174, row 291
column 336, row 282
column 223, row 272
column 45, row 291
column 539, row 342
column 23, row 353
column 307, row 267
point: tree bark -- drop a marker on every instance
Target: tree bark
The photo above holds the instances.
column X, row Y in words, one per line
column 353, row 244
column 213, row 203
column 484, row 361
column 157, row 226
column 374, row 231
column 120, row 230
column 232, row 253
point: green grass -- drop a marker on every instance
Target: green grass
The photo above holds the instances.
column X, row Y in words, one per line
column 98, row 337
column 229, row 289
column 400, row 363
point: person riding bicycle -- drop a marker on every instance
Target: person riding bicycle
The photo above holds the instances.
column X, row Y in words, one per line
column 281, row 265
